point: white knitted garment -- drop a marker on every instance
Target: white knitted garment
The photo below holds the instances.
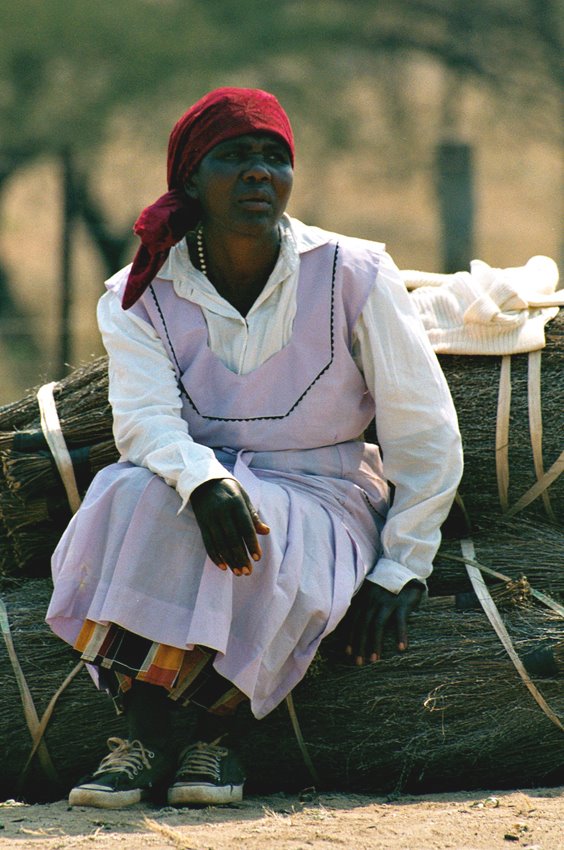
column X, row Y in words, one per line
column 487, row 310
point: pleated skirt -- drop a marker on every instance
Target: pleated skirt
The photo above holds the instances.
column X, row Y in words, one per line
column 131, row 556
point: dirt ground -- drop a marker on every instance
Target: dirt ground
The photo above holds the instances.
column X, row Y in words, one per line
column 483, row 820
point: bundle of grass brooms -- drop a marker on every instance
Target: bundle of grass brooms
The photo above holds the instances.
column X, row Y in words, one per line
column 449, row 713
column 512, row 547
column 475, row 386
column 34, row 507
column 452, row 712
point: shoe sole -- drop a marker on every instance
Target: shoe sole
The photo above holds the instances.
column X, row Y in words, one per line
column 202, row 794
column 104, row 798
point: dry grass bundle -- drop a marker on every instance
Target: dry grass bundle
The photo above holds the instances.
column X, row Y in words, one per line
column 30, row 546
column 32, row 497
column 84, row 391
column 450, row 713
column 81, row 713
column 7, row 558
column 474, row 383
column 18, row 515
column 31, row 474
column 513, row 547
column 33, row 504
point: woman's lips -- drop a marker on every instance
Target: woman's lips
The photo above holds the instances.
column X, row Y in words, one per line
column 255, row 202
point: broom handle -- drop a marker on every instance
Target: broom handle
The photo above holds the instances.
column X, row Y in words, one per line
column 535, row 423
column 300, row 739
column 29, row 710
column 533, row 492
column 40, row 731
column 502, row 432
column 544, row 479
column 51, row 427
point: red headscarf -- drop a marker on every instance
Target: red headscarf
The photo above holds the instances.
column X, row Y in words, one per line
column 219, row 115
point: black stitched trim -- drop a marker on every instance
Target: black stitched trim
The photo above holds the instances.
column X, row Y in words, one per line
column 158, row 306
column 184, row 392
column 370, row 505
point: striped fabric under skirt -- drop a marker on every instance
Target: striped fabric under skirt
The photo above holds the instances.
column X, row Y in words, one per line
column 188, row 675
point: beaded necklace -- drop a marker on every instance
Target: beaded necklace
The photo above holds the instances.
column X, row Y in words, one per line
column 200, row 250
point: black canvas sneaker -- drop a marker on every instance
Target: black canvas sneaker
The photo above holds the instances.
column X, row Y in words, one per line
column 208, row 775
column 125, row 776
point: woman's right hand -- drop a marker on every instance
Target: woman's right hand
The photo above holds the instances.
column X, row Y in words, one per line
column 229, row 524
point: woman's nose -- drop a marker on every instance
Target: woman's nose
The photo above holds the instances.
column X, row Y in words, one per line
column 256, row 169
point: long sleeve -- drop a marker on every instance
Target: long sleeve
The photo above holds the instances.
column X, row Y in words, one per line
column 148, row 428
column 416, row 426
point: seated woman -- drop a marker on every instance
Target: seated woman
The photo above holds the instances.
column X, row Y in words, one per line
column 248, row 352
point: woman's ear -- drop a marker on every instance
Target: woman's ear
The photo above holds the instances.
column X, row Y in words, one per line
column 191, row 189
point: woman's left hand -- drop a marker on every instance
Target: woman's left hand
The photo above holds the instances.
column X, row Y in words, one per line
column 229, row 524
column 372, row 609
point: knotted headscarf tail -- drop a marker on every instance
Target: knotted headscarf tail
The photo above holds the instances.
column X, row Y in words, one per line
column 220, row 115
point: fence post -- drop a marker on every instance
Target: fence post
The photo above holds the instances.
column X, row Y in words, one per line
column 69, row 213
column 455, row 191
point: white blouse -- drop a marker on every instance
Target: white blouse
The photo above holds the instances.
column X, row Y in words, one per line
column 416, row 421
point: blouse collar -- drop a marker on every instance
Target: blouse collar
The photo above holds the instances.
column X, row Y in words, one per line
column 295, row 238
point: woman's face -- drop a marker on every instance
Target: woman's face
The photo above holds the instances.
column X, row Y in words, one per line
column 243, row 184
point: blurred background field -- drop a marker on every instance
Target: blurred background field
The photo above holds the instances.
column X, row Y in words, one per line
column 375, row 90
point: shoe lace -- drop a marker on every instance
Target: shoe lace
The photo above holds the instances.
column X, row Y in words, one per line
column 204, row 759
column 127, row 756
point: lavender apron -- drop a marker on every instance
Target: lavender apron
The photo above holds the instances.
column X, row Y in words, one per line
column 289, row 433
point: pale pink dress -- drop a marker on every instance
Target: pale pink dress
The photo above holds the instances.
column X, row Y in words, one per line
column 289, row 432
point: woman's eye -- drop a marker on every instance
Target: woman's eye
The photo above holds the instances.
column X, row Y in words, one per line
column 278, row 157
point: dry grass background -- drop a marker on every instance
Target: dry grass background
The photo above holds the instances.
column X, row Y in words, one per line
column 518, row 215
